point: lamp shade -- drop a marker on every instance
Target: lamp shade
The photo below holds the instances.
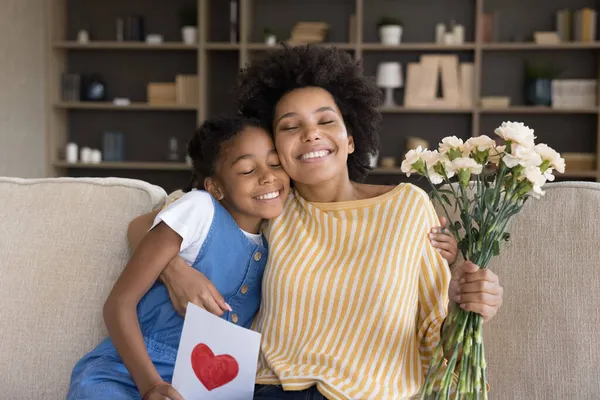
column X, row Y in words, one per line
column 389, row 75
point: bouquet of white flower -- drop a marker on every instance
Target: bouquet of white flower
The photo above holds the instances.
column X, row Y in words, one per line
column 494, row 181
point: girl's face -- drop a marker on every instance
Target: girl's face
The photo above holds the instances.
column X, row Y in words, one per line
column 310, row 135
column 249, row 180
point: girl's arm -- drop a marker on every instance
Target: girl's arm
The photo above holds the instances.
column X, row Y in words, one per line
column 139, row 227
column 184, row 283
column 155, row 250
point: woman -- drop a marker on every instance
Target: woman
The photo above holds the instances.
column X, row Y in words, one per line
column 354, row 294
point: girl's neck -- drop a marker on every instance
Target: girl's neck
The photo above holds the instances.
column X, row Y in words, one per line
column 245, row 222
column 332, row 191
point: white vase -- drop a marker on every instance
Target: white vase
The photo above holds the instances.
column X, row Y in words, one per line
column 271, row 40
column 390, row 34
column 189, row 34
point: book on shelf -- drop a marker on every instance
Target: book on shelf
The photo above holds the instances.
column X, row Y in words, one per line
column 70, row 87
column 186, row 89
column 234, row 21
column 563, row 25
column 584, row 24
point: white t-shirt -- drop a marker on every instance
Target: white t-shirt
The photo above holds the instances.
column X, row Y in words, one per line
column 191, row 217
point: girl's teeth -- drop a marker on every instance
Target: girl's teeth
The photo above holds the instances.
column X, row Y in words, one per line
column 315, row 154
column 268, row 196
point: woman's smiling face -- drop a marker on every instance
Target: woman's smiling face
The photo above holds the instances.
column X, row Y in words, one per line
column 311, row 137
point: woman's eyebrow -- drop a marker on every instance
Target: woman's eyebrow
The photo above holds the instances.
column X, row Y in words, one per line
column 287, row 115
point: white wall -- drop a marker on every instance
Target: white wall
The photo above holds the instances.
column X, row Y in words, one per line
column 22, row 118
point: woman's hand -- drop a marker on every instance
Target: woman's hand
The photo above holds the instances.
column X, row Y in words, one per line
column 185, row 284
column 443, row 239
column 476, row 290
column 163, row 392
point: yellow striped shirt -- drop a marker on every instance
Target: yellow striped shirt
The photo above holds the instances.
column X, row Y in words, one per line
column 353, row 296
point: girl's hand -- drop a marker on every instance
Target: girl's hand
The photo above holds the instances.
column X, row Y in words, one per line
column 443, row 239
column 163, row 392
column 186, row 284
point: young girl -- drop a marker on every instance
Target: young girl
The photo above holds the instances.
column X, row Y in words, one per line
column 217, row 231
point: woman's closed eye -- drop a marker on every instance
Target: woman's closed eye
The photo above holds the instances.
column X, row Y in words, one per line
column 247, row 172
column 326, row 122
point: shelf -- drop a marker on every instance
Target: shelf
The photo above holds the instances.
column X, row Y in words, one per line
column 129, row 165
column 167, row 46
column 577, row 174
column 417, row 47
column 537, row 110
column 89, row 105
column 386, row 171
column 222, row 46
column 414, row 110
column 263, row 46
column 534, row 46
column 567, row 174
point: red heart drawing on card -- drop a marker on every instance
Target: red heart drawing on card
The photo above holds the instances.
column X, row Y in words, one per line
column 213, row 371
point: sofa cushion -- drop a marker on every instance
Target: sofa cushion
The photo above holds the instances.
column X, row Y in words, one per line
column 542, row 344
column 62, row 245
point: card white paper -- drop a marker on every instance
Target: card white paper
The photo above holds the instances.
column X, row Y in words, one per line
column 216, row 360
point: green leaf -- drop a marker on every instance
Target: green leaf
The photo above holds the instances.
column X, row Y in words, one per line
column 446, row 199
column 457, row 226
column 496, row 248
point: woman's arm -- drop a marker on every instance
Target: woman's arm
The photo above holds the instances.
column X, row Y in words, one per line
column 155, row 250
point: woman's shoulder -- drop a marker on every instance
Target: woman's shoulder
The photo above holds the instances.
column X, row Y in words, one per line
column 389, row 192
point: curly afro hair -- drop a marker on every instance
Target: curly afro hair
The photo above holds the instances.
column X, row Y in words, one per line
column 205, row 146
column 264, row 82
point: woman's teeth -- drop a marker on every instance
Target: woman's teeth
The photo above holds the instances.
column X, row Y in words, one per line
column 314, row 154
column 268, row 196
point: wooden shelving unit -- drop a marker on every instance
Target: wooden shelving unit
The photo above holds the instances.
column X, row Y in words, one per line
column 153, row 166
column 216, row 61
column 135, row 106
column 110, row 45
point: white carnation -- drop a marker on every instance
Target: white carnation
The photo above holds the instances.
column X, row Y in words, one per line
column 480, row 143
column 451, row 143
column 410, row 159
column 516, row 133
column 537, row 179
column 547, row 153
column 522, row 155
column 467, row 164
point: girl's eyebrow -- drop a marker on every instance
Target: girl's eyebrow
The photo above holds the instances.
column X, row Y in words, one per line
column 250, row 156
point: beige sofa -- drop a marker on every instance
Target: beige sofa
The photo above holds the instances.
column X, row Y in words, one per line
column 63, row 243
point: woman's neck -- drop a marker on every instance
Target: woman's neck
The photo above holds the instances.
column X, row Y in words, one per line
column 333, row 191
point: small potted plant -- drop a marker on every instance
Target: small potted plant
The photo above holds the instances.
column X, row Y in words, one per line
column 390, row 30
column 269, row 37
column 538, row 84
column 188, row 18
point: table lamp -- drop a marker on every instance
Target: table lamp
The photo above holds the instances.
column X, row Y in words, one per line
column 389, row 77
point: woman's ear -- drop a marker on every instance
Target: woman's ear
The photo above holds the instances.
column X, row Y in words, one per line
column 213, row 188
column 350, row 144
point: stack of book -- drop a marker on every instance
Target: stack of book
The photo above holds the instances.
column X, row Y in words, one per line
column 160, row 93
column 186, row 89
column 578, row 26
column 70, row 87
column 309, row 32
